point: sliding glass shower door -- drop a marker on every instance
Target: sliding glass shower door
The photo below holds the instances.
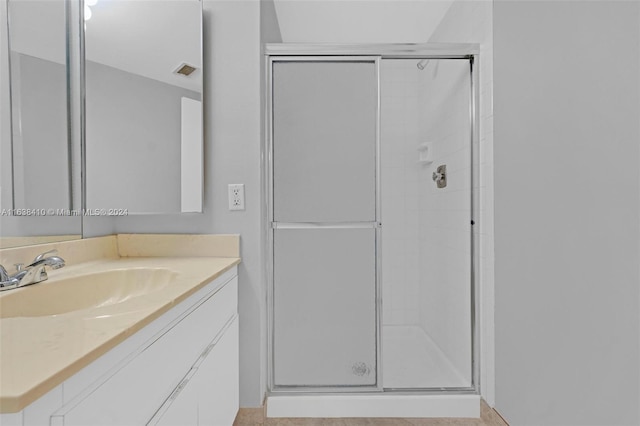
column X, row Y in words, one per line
column 324, row 221
column 371, row 215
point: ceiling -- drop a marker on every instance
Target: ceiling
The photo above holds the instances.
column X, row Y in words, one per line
column 145, row 37
column 359, row 21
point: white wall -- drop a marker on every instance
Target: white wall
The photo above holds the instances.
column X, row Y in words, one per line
column 567, row 132
column 359, row 21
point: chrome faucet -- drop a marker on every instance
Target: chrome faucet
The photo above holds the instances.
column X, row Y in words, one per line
column 31, row 274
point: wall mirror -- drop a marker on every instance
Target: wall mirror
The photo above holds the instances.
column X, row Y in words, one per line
column 143, row 82
column 143, row 150
column 38, row 189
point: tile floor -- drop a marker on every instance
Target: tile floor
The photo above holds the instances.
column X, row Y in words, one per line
column 255, row 417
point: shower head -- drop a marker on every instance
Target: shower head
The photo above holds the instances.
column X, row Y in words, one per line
column 422, row 64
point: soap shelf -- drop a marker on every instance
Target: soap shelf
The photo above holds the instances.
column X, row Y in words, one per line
column 425, row 153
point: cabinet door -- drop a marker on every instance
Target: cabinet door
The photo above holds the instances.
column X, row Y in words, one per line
column 209, row 394
column 182, row 408
column 218, row 381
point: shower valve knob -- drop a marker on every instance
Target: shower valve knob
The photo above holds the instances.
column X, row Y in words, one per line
column 440, row 176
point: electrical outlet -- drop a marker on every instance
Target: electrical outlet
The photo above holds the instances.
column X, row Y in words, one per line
column 236, row 196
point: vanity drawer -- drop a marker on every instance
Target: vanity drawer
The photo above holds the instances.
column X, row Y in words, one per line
column 209, row 393
column 133, row 393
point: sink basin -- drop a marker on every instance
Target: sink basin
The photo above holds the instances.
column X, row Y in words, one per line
column 83, row 292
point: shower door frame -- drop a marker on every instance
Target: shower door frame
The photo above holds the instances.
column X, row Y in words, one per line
column 283, row 52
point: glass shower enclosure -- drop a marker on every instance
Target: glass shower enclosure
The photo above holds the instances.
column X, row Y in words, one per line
column 370, row 215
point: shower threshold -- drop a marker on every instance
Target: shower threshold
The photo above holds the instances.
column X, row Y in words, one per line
column 374, row 405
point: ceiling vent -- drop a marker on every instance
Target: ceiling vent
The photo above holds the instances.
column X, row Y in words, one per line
column 185, row 69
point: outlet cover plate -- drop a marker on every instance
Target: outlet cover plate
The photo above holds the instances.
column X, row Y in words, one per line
column 236, row 196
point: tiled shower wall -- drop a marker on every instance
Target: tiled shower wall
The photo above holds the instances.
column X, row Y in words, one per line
column 444, row 220
column 426, row 238
column 400, row 174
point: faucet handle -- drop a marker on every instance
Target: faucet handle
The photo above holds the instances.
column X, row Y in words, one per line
column 4, row 276
column 42, row 255
column 19, row 266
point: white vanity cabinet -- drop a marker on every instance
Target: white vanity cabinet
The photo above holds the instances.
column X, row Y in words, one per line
column 181, row 369
column 210, row 387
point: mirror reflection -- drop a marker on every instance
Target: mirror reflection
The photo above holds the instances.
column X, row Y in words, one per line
column 143, row 106
column 37, row 187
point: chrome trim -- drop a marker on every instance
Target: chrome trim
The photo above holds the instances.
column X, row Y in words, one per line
column 10, row 89
column 203, row 105
column 475, row 293
column 324, row 58
column 76, row 121
column 413, row 391
column 265, row 220
column 325, row 225
column 378, row 240
column 268, row 218
column 68, row 8
column 407, row 50
column 374, row 392
column 474, row 378
column 82, row 112
column 324, row 390
column 33, row 273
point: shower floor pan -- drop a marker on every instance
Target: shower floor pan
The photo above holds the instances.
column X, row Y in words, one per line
column 411, row 359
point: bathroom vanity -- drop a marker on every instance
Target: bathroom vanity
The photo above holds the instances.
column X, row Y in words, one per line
column 139, row 329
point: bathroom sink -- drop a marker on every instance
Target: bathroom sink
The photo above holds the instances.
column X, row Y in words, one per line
column 82, row 292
